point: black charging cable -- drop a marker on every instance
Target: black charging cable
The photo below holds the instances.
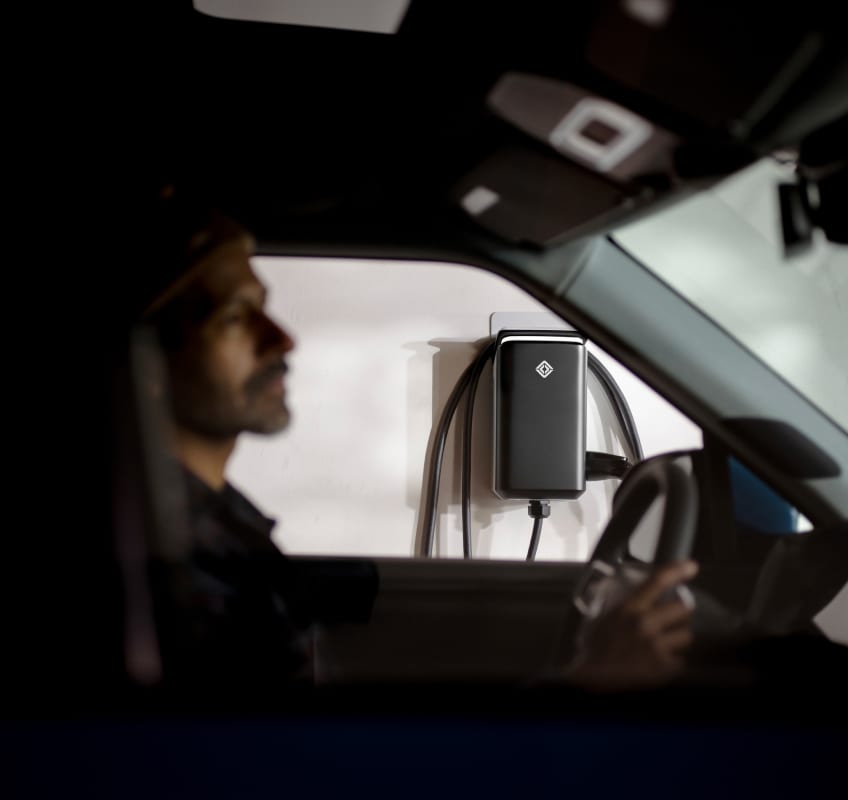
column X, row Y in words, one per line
column 619, row 405
column 474, row 380
column 431, row 505
column 540, row 510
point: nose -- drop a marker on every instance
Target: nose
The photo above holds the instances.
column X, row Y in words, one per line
column 273, row 336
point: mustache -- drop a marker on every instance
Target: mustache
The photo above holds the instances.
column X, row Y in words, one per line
column 272, row 372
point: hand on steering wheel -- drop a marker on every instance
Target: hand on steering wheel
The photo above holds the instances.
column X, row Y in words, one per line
column 640, row 641
column 635, row 619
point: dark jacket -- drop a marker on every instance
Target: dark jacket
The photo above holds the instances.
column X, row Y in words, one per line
column 227, row 613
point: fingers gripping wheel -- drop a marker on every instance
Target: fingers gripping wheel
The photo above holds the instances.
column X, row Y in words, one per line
column 668, row 477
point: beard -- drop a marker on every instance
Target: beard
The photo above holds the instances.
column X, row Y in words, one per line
column 221, row 412
column 266, row 410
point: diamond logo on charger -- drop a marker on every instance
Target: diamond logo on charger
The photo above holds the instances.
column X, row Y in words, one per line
column 544, row 369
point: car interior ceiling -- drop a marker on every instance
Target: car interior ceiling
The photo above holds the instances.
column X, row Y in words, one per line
column 331, row 143
column 361, row 144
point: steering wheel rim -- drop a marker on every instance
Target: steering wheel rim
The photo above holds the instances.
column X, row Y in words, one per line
column 660, row 476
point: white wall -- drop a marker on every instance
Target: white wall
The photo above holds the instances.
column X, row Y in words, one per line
column 380, row 346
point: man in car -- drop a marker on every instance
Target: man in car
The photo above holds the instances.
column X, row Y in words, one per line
column 233, row 607
column 225, row 369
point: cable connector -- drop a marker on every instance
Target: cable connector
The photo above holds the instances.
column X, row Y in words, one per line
column 600, row 466
column 539, row 509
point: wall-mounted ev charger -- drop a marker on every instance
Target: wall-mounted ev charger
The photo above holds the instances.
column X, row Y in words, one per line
column 539, row 422
column 539, row 414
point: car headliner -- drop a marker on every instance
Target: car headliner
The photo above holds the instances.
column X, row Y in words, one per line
column 362, row 135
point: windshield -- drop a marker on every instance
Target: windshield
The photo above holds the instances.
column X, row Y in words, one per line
column 723, row 251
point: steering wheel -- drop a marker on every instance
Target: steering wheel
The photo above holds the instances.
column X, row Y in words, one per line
column 668, row 476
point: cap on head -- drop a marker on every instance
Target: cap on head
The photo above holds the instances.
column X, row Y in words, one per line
column 178, row 233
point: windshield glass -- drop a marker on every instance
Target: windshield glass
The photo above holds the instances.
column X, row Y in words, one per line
column 723, row 251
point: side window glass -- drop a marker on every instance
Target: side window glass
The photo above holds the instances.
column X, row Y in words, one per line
column 380, row 346
column 758, row 507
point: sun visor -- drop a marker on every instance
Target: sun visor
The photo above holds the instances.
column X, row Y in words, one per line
column 590, row 162
column 523, row 196
column 601, row 135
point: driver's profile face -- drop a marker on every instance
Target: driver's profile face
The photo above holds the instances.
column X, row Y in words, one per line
column 228, row 375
